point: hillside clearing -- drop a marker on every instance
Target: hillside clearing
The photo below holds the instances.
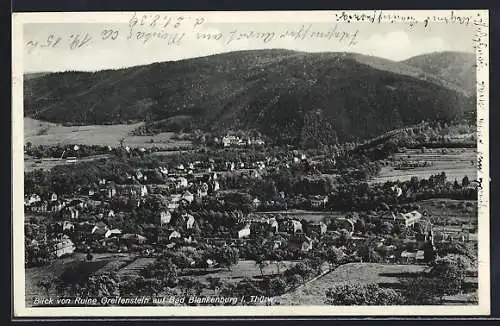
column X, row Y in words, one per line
column 314, row 293
column 456, row 163
column 45, row 133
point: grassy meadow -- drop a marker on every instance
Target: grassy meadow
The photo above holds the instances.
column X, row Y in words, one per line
column 455, row 162
column 45, row 133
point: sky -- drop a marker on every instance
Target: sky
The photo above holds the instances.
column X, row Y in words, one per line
column 390, row 41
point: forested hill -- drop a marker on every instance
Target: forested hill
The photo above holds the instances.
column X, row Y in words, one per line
column 287, row 95
column 455, row 67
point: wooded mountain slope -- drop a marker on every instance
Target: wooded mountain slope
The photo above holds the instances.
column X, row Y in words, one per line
column 287, row 95
column 456, row 67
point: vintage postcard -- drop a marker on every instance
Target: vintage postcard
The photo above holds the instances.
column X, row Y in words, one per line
column 292, row 163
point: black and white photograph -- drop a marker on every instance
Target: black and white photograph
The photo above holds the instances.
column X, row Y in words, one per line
column 251, row 163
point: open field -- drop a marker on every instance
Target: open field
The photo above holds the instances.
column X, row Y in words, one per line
column 248, row 268
column 456, row 163
column 45, row 133
column 244, row 268
column 450, row 212
column 31, row 164
column 135, row 267
column 313, row 293
column 100, row 263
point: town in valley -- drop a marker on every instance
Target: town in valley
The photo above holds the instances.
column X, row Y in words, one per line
column 279, row 186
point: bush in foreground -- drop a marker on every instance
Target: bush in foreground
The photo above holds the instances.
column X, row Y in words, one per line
column 355, row 293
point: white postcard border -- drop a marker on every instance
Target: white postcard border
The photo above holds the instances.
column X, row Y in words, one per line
column 483, row 308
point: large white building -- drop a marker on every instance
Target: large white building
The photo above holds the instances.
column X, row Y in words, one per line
column 406, row 219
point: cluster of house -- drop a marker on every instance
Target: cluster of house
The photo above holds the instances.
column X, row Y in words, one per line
column 91, row 235
column 286, row 228
column 406, row 219
column 186, row 183
column 113, row 239
column 290, row 233
column 318, row 201
column 176, row 183
column 99, row 232
column 465, row 233
column 53, row 203
column 231, row 140
column 283, row 232
column 95, row 198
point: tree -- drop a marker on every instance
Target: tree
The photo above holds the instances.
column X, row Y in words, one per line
column 214, row 283
column 276, row 286
column 228, row 289
column 451, row 272
column 261, row 262
column 429, row 252
column 414, row 183
column 47, row 283
column 465, row 182
column 447, row 248
column 386, row 228
column 295, row 279
column 152, row 207
column 383, row 251
column 420, row 290
column 367, row 251
column 246, row 287
column 162, row 269
column 103, row 285
column 181, row 260
column 142, row 286
column 360, row 226
column 301, row 269
column 191, row 285
column 356, row 293
column 276, row 256
column 344, row 238
column 334, row 256
column 227, row 256
column 315, row 264
column 270, row 190
column 305, row 226
column 442, row 178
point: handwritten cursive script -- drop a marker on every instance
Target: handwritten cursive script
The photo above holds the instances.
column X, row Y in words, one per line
column 178, row 29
